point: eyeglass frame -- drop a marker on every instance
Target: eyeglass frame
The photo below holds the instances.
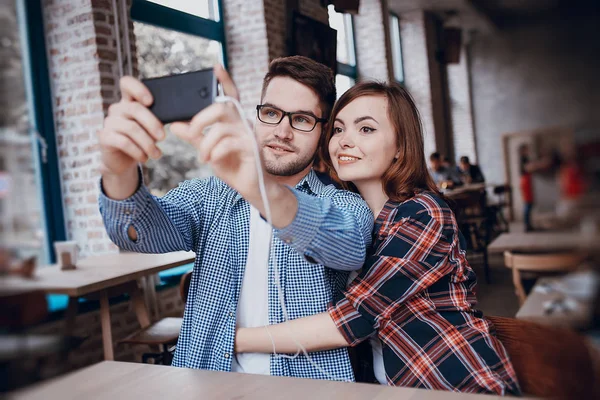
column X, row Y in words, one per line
column 289, row 115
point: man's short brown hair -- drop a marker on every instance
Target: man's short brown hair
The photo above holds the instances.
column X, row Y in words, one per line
column 318, row 77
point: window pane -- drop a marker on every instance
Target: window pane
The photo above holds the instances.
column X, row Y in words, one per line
column 21, row 224
column 396, row 48
column 202, row 8
column 342, row 23
column 164, row 52
column 343, row 83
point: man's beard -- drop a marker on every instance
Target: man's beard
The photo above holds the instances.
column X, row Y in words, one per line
column 282, row 168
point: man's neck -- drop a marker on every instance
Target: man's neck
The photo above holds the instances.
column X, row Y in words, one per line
column 291, row 180
column 372, row 192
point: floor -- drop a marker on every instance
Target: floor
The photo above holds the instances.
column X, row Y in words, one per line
column 497, row 298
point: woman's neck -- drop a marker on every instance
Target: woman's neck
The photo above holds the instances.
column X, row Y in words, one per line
column 372, row 192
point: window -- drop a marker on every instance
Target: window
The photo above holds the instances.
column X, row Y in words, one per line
column 396, row 48
column 31, row 214
column 172, row 37
column 346, row 56
column 202, row 8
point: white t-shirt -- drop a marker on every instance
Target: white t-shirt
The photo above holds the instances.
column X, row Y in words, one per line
column 253, row 304
column 378, row 365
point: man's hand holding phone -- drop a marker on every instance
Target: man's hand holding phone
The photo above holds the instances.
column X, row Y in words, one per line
column 129, row 137
column 226, row 145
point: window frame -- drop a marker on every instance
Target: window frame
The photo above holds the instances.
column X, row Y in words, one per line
column 41, row 127
column 168, row 18
column 397, row 64
column 349, row 69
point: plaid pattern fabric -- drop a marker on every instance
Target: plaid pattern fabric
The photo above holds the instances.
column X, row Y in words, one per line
column 210, row 218
column 416, row 292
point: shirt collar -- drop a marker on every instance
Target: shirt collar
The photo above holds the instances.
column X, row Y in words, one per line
column 311, row 183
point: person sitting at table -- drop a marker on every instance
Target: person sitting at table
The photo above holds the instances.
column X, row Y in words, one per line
column 469, row 173
column 443, row 177
column 414, row 298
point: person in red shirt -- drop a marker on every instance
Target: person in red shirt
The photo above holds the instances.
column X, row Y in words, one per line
column 414, row 299
column 571, row 177
column 526, row 185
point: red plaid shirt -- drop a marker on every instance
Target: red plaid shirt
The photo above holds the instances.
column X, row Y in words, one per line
column 416, row 293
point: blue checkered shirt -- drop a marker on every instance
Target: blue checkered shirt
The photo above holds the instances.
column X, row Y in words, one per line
column 332, row 227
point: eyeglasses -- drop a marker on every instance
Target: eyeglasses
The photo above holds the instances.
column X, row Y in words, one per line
column 301, row 121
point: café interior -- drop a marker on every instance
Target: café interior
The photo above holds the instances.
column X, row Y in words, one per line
column 509, row 95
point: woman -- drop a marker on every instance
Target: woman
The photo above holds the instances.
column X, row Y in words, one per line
column 414, row 297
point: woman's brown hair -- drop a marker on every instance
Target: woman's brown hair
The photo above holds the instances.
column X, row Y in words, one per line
column 408, row 174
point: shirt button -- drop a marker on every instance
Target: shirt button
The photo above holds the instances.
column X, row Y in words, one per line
column 231, row 314
column 226, row 355
column 288, row 241
column 127, row 212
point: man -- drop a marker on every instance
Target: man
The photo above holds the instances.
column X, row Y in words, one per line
column 442, row 176
column 220, row 217
column 470, row 173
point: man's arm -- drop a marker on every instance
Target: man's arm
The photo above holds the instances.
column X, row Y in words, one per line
column 134, row 219
column 335, row 232
column 148, row 224
column 315, row 333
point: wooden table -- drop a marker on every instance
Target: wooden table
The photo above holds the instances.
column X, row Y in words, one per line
column 544, row 242
column 118, row 380
column 471, row 187
column 533, row 309
column 97, row 275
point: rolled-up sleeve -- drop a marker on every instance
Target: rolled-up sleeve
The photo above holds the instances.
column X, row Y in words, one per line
column 165, row 224
column 333, row 231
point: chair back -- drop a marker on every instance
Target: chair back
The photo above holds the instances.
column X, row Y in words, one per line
column 549, row 262
column 469, row 203
column 549, row 361
column 184, row 285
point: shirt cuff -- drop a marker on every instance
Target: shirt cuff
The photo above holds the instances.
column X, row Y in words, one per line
column 300, row 233
column 350, row 322
column 118, row 215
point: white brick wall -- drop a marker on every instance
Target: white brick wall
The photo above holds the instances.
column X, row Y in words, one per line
column 247, row 50
column 533, row 76
column 371, row 26
column 416, row 71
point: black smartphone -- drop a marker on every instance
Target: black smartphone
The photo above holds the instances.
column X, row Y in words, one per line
column 180, row 97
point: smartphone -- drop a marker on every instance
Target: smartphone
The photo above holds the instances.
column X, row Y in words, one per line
column 180, row 97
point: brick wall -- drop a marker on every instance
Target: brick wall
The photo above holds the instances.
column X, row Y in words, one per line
column 247, row 51
column 416, row 70
column 373, row 54
column 78, row 112
column 532, row 76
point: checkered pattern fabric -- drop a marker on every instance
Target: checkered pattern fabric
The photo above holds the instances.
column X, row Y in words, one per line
column 332, row 227
column 416, row 293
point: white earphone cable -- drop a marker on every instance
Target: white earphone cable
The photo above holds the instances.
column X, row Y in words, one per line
column 265, row 200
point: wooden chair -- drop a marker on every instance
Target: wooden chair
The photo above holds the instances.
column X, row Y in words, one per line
column 533, row 265
column 503, row 195
column 549, row 361
column 163, row 333
column 474, row 222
